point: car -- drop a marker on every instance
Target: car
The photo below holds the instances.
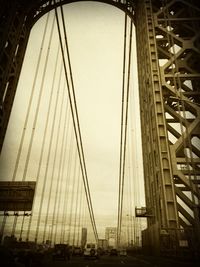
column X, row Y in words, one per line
column 61, row 252
column 123, row 252
column 91, row 251
column 113, row 252
column 77, row 251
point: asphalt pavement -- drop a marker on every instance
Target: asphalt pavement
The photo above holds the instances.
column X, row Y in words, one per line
column 109, row 261
column 116, row 261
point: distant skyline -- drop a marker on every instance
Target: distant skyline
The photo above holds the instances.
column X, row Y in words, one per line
column 95, row 34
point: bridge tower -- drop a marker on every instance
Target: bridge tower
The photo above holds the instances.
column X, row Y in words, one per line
column 168, row 42
column 169, row 79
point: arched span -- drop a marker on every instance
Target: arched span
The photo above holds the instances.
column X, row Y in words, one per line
column 16, row 20
column 41, row 7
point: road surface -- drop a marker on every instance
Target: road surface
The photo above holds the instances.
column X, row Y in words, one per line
column 115, row 261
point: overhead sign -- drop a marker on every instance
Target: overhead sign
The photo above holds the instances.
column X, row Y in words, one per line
column 16, row 196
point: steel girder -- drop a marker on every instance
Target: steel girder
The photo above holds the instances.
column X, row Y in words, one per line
column 177, row 25
column 159, row 186
column 168, row 53
column 14, row 29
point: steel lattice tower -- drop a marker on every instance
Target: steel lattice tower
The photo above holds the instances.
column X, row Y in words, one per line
column 168, row 41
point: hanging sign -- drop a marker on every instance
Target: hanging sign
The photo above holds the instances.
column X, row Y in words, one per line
column 16, row 196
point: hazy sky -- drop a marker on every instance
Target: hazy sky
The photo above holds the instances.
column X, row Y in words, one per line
column 95, row 33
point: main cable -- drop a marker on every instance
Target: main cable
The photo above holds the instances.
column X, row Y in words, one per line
column 75, row 119
column 78, row 125
column 121, row 137
column 126, row 121
column 123, row 156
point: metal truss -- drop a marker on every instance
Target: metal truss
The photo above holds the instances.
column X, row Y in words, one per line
column 169, row 79
column 42, row 7
column 177, row 26
column 178, row 42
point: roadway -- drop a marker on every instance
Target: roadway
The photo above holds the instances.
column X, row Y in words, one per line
column 111, row 261
column 115, row 261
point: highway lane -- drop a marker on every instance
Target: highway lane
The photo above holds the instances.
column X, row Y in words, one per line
column 116, row 261
column 110, row 261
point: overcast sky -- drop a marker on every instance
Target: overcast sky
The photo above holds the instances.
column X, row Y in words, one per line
column 95, row 34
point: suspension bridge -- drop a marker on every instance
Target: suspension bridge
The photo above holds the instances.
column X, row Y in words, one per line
column 47, row 194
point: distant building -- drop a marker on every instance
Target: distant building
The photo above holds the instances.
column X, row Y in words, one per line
column 83, row 237
column 111, row 236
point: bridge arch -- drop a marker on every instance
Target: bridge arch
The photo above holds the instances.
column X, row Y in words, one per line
column 42, row 7
column 17, row 20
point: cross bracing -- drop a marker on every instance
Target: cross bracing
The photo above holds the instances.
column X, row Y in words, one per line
column 170, row 112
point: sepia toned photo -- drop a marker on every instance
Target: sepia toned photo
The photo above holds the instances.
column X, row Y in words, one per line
column 100, row 133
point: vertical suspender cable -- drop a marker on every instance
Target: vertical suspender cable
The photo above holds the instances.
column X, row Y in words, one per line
column 44, row 137
column 64, row 177
column 55, row 156
column 64, row 181
column 78, row 137
column 59, row 181
column 76, row 208
column 67, row 188
column 61, row 165
column 79, row 131
column 50, row 151
column 49, row 148
column 38, row 105
column 30, row 101
column 27, row 117
column 125, row 135
column 126, row 120
column 122, row 119
column 80, row 215
column 72, row 197
column 130, row 187
column 43, row 142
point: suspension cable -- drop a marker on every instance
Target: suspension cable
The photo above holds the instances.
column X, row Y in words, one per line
column 27, row 118
column 44, row 140
column 48, row 159
column 55, row 157
column 49, row 148
column 72, row 197
column 64, row 152
column 76, row 121
column 126, row 118
column 76, row 207
column 125, row 137
column 122, row 122
column 38, row 104
column 30, row 101
column 78, row 125
column 80, row 214
column 60, row 175
column 67, row 188
column 134, row 188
